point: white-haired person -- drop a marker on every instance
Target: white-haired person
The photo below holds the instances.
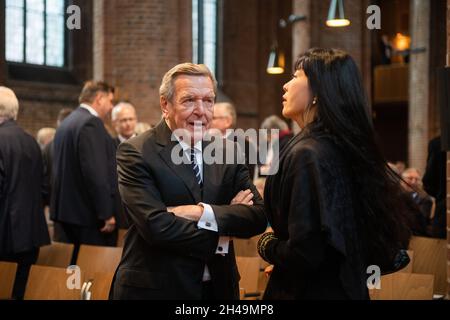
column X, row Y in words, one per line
column 23, row 229
column 124, row 120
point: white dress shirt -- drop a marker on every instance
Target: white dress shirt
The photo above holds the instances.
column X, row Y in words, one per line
column 90, row 109
column 208, row 219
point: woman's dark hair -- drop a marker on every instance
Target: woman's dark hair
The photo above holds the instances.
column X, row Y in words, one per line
column 343, row 112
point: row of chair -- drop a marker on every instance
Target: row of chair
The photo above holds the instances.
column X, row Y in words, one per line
column 50, row 277
column 422, row 278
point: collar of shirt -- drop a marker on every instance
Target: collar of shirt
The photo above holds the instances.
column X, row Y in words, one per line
column 197, row 150
column 90, row 109
column 122, row 138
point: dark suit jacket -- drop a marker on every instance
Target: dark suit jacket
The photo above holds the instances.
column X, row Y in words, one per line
column 434, row 183
column 22, row 221
column 164, row 255
column 47, row 156
column 318, row 253
column 84, row 179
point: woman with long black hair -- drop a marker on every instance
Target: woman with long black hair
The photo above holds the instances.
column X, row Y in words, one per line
column 335, row 206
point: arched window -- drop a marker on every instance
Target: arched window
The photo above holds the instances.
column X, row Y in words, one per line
column 35, row 32
column 204, row 32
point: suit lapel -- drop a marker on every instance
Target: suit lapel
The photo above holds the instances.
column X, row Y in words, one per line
column 211, row 177
column 184, row 171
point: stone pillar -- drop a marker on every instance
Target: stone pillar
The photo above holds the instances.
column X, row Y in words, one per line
column 301, row 34
column 419, row 85
column 2, row 43
column 98, row 40
column 448, row 162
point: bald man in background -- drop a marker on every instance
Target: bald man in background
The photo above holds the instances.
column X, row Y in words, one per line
column 225, row 118
column 124, row 121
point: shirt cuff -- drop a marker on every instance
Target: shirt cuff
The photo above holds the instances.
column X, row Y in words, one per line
column 223, row 245
column 208, row 219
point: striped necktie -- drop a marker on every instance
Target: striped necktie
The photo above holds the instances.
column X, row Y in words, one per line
column 196, row 168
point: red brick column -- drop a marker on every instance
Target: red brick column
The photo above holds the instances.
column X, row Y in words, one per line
column 448, row 162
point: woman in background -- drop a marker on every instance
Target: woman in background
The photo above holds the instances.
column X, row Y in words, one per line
column 335, row 206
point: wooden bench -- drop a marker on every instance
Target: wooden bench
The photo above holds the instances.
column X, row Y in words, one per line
column 7, row 277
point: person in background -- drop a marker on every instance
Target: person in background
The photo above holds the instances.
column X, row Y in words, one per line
column 23, row 229
column 45, row 136
column 435, row 184
column 83, row 199
column 124, row 120
column 425, row 204
column 142, row 127
column 224, row 120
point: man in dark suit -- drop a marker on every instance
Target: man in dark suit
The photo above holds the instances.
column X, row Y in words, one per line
column 23, row 228
column 434, row 182
column 178, row 244
column 84, row 173
column 47, row 157
column 224, row 120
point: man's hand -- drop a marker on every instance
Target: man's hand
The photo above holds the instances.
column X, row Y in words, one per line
column 243, row 197
column 109, row 226
column 190, row 212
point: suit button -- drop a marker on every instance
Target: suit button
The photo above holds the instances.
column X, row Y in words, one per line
column 220, row 249
column 208, row 224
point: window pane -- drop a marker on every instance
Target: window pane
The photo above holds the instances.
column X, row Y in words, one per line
column 55, row 7
column 210, row 34
column 14, row 31
column 55, row 41
column 35, row 32
column 14, row 3
column 195, row 31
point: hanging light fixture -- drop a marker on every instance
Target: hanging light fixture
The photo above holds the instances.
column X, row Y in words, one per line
column 276, row 62
column 337, row 19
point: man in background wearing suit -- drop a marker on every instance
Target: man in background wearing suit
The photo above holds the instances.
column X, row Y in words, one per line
column 124, row 120
column 178, row 245
column 84, row 173
column 224, row 119
column 23, row 228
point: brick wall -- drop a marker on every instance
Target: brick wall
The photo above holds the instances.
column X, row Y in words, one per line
column 136, row 42
column 355, row 39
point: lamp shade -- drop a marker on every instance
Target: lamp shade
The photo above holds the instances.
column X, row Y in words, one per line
column 336, row 16
column 276, row 61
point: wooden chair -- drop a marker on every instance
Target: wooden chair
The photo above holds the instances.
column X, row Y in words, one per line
column 50, row 283
column 92, row 259
column 121, row 237
column 98, row 286
column 7, row 277
column 404, row 286
column 409, row 267
column 430, row 257
column 250, row 271
column 56, row 255
column 246, row 247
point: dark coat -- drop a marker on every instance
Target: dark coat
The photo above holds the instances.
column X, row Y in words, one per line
column 309, row 201
column 22, row 220
column 164, row 256
column 84, row 183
